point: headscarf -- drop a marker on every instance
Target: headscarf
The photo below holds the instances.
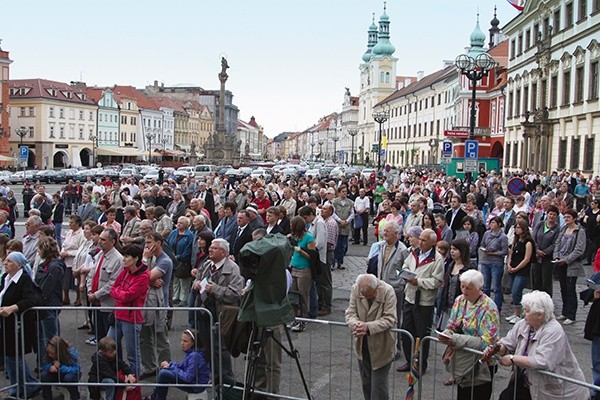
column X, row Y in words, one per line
column 20, row 259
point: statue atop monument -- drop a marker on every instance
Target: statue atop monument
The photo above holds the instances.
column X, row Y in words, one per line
column 193, row 148
column 223, row 74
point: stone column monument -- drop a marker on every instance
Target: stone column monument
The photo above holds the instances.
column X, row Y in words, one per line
column 222, row 147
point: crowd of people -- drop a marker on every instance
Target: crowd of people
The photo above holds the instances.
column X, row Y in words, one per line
column 138, row 244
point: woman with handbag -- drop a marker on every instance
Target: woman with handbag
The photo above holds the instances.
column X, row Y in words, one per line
column 181, row 240
column 474, row 323
column 569, row 253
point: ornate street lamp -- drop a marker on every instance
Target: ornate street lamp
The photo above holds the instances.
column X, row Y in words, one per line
column 94, row 139
column 321, row 149
column 474, row 69
column 312, row 151
column 335, row 139
column 352, row 133
column 380, row 117
column 149, row 136
column 22, row 132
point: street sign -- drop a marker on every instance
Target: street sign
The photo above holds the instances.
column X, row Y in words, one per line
column 24, row 152
column 471, row 165
column 375, row 148
column 382, row 152
column 516, row 186
column 447, row 148
column 446, row 160
column 471, row 149
column 456, row 133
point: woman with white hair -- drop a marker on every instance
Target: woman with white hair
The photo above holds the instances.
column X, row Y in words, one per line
column 538, row 342
column 473, row 324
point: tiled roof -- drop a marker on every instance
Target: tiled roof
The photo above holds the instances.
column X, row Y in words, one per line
column 42, row 88
column 423, row 83
column 129, row 92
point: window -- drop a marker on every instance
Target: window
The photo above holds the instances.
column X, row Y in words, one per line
column 596, row 6
column 81, row 132
column 22, row 114
column 517, row 102
column 51, row 131
column 509, row 99
column 31, row 112
column 133, row 120
column 507, row 157
column 566, row 98
column 553, row 91
column 515, row 155
column 527, row 38
column 81, row 115
column 513, row 46
column 576, row 149
column 562, row 153
column 569, row 15
column 547, row 29
column 31, row 132
column 588, row 159
column 582, row 10
column 525, row 100
column 123, row 120
column 520, row 44
column 544, row 94
column 91, row 115
column 579, row 84
column 534, row 92
column 61, row 113
column 536, row 33
column 133, row 137
column 62, row 132
column 593, row 80
column 51, row 112
column 556, row 20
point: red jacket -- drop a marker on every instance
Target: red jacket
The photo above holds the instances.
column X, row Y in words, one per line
column 129, row 290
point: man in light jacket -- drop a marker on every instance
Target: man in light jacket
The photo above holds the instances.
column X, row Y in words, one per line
column 370, row 315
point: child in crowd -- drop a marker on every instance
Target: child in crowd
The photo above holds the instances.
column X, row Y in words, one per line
column 107, row 370
column 193, row 370
column 61, row 364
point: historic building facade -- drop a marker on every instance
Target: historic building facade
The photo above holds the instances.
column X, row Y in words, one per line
column 552, row 110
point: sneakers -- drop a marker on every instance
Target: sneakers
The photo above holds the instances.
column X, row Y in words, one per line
column 514, row 319
column 510, row 317
column 561, row 318
column 298, row 326
column 568, row 321
column 91, row 341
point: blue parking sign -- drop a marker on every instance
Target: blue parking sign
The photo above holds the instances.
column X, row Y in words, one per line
column 24, row 152
column 471, row 149
column 447, row 148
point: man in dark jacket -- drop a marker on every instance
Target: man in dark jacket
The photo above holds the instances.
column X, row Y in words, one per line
column 455, row 215
column 108, row 370
column 44, row 207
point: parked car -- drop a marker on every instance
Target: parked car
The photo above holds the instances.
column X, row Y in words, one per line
column 20, row 176
column 337, row 172
column 312, row 173
column 366, row 173
column 110, row 172
column 184, row 172
column 129, row 173
column 44, row 175
column 260, row 173
column 205, row 170
column 5, row 176
column 151, row 174
column 58, row 177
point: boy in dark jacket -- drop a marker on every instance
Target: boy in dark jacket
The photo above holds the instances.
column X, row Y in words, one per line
column 106, row 369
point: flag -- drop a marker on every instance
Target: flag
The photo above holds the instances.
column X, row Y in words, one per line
column 518, row 4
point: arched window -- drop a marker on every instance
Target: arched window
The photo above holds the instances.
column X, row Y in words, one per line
column 387, row 77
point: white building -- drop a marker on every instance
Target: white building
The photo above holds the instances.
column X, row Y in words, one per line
column 552, row 118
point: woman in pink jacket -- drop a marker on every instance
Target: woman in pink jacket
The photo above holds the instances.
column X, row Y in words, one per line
column 129, row 290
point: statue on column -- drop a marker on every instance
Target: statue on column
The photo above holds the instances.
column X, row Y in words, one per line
column 224, row 65
column 193, row 149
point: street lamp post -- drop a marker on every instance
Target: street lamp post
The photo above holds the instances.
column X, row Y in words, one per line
column 94, row 139
column 164, row 141
column 150, row 135
column 474, row 69
column 312, row 151
column 22, row 132
column 335, row 140
column 321, row 149
column 380, row 117
column 352, row 133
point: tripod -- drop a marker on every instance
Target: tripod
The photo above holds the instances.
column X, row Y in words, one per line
column 256, row 353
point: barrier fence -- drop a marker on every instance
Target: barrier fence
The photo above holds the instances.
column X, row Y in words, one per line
column 326, row 357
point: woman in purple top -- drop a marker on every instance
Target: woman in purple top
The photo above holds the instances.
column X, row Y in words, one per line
column 192, row 371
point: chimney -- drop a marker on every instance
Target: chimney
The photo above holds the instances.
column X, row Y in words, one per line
column 420, row 75
column 155, row 83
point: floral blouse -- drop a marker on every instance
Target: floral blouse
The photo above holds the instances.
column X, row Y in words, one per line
column 480, row 319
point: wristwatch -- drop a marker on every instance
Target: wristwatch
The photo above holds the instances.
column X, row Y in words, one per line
column 512, row 359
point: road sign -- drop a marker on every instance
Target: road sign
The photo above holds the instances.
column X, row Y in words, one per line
column 24, row 152
column 471, row 165
column 375, row 148
column 382, row 152
column 446, row 160
column 447, row 148
column 455, row 133
column 471, row 149
column 516, row 186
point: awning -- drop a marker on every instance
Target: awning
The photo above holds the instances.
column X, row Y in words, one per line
column 174, row 153
column 5, row 158
column 120, row 151
column 187, row 149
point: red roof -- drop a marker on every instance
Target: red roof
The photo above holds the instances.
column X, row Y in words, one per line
column 42, row 88
column 129, row 92
column 253, row 122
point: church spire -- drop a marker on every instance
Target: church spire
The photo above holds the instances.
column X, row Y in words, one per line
column 383, row 46
column 372, row 40
column 494, row 30
column 477, row 41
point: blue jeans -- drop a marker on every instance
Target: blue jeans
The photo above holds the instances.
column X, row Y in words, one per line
column 109, row 389
column 131, row 333
column 313, row 308
column 48, row 377
column 167, row 376
column 518, row 283
column 58, row 233
column 47, row 328
column 15, row 374
column 596, row 360
column 492, row 277
column 341, row 248
column 567, row 292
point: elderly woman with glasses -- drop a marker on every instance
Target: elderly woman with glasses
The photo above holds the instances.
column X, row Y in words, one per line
column 538, row 343
column 18, row 294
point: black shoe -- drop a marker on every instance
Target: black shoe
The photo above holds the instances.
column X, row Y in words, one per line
column 147, row 375
column 84, row 326
column 341, row 267
column 403, row 368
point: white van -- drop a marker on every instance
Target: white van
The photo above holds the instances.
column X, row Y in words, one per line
column 204, row 170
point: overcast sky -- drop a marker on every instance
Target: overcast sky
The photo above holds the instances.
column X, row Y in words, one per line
column 289, row 60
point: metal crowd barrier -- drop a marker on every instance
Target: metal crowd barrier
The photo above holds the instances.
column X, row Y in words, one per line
column 326, row 351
